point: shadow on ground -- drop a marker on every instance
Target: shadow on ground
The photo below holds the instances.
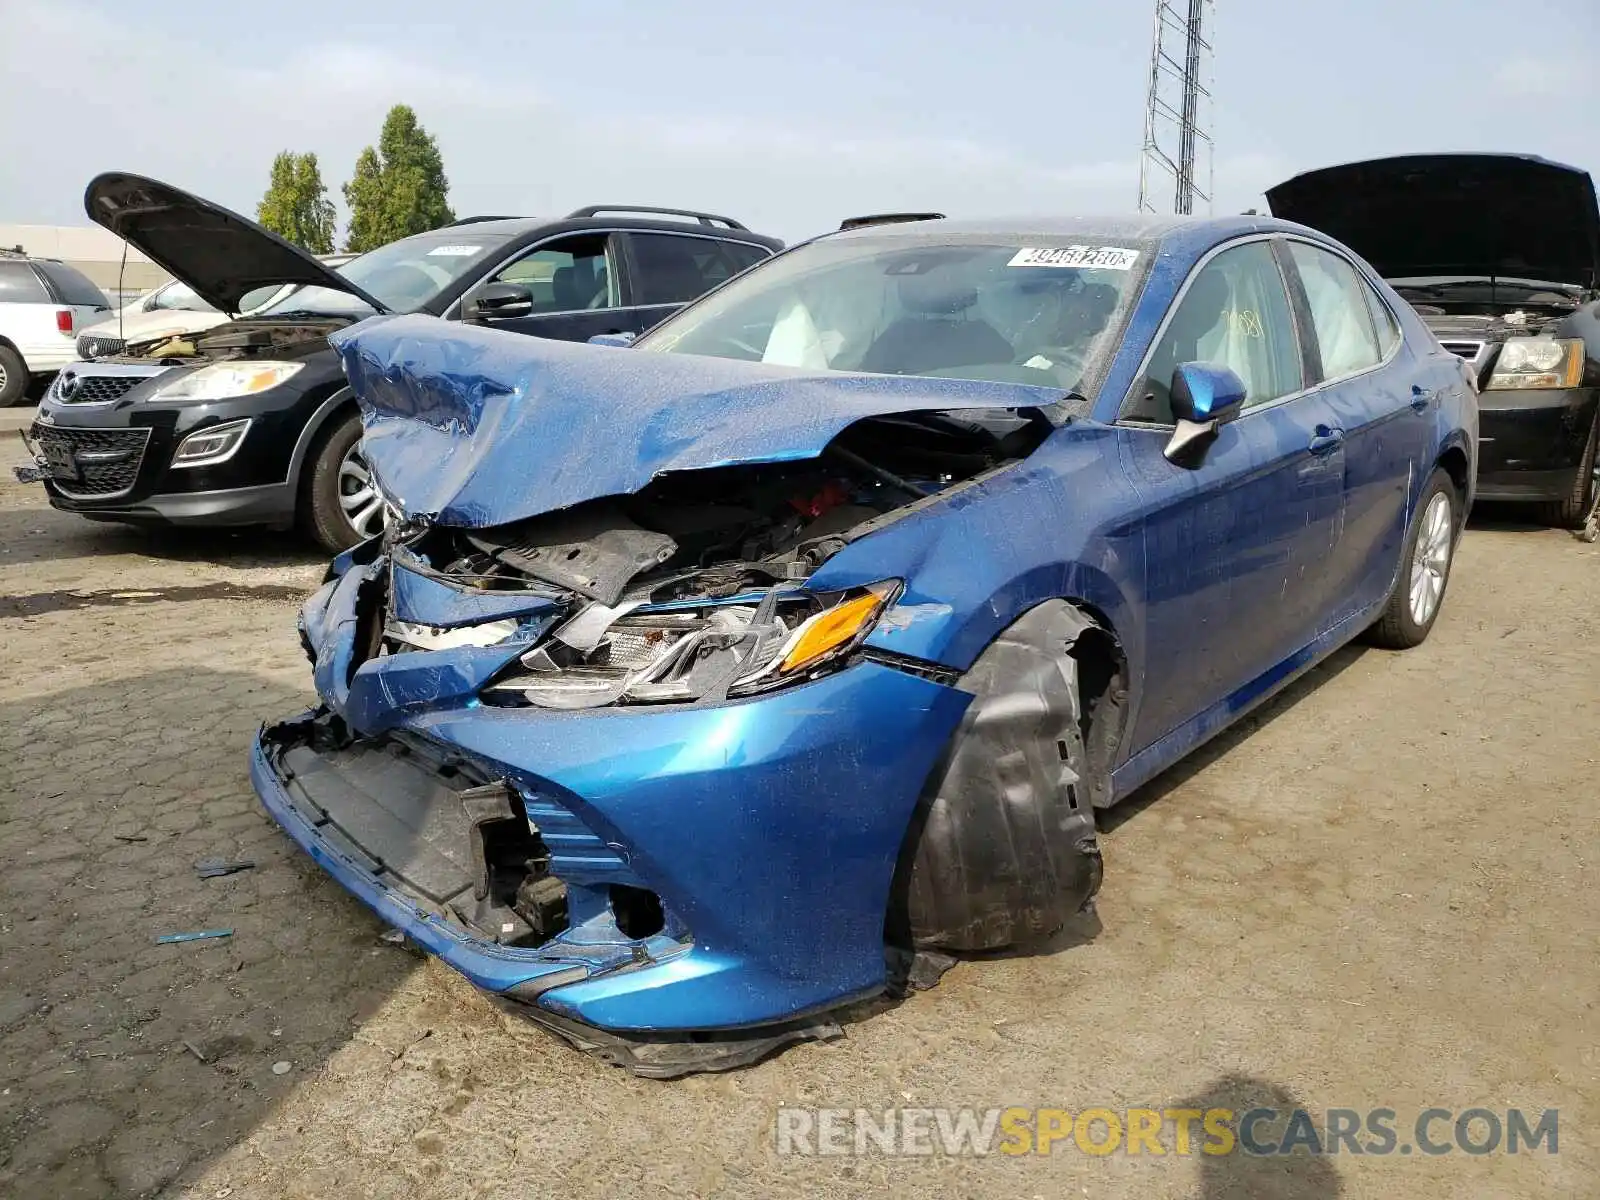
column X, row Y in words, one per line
column 123, row 1062
column 1253, row 1176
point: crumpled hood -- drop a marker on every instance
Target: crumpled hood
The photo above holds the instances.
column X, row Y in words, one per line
column 477, row 427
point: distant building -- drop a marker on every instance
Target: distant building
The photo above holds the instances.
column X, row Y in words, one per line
column 94, row 251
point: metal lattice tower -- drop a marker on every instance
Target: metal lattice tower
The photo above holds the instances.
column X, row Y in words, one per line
column 1177, row 117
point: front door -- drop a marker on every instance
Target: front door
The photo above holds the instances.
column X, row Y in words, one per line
column 576, row 289
column 1237, row 544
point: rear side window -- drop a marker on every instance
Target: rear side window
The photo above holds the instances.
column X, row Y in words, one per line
column 1388, row 328
column 1235, row 313
column 19, row 285
column 73, row 286
column 743, row 255
column 674, row 269
column 1339, row 313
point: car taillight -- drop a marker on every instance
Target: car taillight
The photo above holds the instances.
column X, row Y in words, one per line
column 64, row 320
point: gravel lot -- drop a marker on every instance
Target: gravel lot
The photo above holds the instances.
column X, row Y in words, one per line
column 1381, row 893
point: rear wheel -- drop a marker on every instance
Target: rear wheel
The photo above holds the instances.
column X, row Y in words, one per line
column 341, row 505
column 1424, row 568
column 1569, row 512
column 13, row 377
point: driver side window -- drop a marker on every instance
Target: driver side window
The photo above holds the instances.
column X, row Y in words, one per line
column 571, row 274
column 1235, row 313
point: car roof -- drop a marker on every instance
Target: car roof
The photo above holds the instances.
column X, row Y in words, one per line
column 517, row 227
column 1135, row 226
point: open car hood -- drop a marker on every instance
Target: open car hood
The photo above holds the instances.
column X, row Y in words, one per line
column 478, row 427
column 218, row 253
column 1477, row 215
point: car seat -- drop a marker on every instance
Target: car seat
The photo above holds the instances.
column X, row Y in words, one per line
column 1201, row 313
column 935, row 334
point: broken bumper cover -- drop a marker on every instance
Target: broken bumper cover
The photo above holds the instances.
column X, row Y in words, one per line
column 769, row 828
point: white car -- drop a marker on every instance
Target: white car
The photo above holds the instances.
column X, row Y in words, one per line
column 43, row 305
column 171, row 311
column 166, row 311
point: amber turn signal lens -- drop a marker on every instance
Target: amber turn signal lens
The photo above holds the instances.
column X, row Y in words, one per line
column 828, row 631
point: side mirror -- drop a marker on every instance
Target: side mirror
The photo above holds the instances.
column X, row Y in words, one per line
column 495, row 301
column 618, row 340
column 1205, row 396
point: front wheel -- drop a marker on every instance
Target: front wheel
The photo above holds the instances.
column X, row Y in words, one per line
column 1572, row 510
column 1002, row 847
column 1430, row 547
column 13, row 377
column 342, row 505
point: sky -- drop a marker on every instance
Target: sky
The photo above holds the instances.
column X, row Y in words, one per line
column 786, row 116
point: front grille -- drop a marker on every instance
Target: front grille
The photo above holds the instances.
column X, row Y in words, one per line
column 94, row 389
column 1466, row 350
column 98, row 346
column 98, row 464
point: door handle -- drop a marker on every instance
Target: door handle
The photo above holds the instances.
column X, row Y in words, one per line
column 1326, row 440
column 1421, row 397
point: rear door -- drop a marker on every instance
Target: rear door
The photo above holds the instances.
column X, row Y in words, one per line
column 577, row 291
column 1373, row 388
column 1234, row 544
column 667, row 270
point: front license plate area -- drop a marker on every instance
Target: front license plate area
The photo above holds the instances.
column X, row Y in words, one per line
column 59, row 461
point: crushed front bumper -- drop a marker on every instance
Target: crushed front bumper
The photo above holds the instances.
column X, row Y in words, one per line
column 769, row 828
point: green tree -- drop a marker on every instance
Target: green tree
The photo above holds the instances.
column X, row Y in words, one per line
column 399, row 188
column 296, row 206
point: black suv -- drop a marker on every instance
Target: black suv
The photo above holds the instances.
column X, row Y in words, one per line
column 251, row 423
column 1500, row 255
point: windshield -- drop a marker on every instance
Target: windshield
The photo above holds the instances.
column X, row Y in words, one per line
column 406, row 275
column 1005, row 313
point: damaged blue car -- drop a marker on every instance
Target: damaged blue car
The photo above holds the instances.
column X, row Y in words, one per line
column 701, row 687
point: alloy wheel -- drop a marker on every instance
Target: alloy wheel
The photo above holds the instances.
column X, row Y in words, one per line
column 1430, row 560
column 358, row 496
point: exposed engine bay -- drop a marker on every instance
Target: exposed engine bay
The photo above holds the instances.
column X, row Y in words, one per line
column 692, row 590
column 234, row 340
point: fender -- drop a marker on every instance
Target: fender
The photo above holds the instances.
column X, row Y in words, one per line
column 302, row 446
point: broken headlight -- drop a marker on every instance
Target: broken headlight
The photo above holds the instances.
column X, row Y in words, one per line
column 693, row 652
column 1538, row 363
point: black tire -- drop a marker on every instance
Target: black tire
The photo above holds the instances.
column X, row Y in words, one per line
column 1400, row 627
column 1002, row 847
column 13, row 377
column 322, row 517
column 1569, row 512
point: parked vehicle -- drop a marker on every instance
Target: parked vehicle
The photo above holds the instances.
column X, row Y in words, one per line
column 1500, row 254
column 700, row 686
column 43, row 302
column 172, row 310
column 251, row 422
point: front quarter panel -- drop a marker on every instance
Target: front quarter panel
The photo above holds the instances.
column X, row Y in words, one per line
column 1054, row 527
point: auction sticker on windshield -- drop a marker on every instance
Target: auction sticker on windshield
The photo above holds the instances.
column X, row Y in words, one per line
column 453, row 251
column 1103, row 258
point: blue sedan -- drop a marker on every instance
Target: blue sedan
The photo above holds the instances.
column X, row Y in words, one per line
column 701, row 687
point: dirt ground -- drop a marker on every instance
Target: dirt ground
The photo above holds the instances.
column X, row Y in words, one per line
column 1380, row 893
